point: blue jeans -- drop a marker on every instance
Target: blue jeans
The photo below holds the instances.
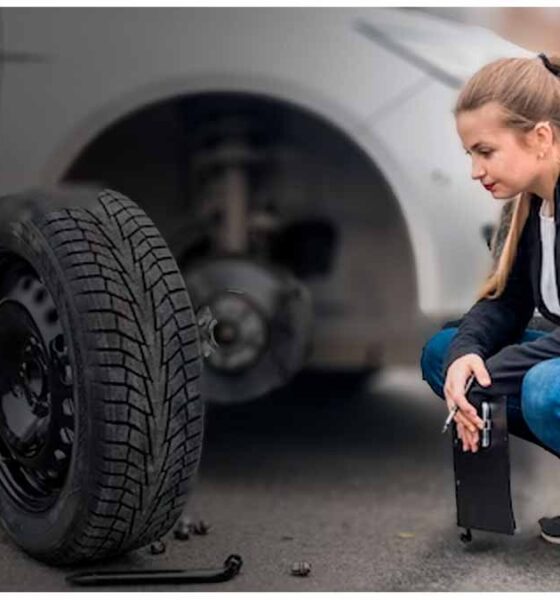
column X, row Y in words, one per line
column 535, row 416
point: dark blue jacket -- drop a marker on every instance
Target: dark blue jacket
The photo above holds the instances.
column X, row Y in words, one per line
column 493, row 328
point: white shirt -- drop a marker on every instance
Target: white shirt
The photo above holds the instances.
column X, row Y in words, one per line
column 549, row 290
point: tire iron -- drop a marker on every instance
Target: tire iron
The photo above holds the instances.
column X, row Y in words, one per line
column 232, row 566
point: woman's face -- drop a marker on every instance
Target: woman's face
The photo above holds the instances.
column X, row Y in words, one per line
column 502, row 164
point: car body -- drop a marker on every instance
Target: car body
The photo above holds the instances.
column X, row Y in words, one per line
column 272, row 116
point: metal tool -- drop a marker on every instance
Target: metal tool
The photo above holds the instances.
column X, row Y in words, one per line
column 487, row 426
column 232, row 566
column 455, row 409
column 450, row 418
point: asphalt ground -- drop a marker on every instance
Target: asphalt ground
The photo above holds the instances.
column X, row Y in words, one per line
column 358, row 484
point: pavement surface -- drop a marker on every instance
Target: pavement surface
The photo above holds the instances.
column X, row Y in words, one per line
column 359, row 484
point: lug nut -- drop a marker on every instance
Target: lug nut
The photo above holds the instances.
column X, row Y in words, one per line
column 301, row 569
column 182, row 530
column 157, row 547
column 200, row 528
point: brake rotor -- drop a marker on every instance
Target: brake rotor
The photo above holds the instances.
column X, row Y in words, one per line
column 262, row 326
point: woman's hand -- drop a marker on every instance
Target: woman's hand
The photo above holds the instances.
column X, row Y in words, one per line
column 467, row 420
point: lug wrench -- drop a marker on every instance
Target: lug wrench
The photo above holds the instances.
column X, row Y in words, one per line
column 232, row 566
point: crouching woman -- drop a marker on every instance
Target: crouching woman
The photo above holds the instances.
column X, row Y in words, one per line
column 508, row 119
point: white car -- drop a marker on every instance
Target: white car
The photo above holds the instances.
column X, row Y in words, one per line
column 301, row 163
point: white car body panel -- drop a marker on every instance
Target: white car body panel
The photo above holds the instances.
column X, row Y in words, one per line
column 80, row 70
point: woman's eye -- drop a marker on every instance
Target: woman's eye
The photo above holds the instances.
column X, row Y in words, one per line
column 481, row 152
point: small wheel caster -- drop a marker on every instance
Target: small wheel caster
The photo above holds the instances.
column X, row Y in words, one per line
column 466, row 536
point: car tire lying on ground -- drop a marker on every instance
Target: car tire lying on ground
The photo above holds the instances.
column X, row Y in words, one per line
column 101, row 419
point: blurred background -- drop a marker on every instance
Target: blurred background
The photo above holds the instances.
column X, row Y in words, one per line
column 301, row 163
column 535, row 28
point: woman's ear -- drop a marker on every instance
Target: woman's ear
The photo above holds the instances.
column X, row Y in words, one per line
column 544, row 136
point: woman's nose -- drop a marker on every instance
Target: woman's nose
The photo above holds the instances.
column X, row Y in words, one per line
column 477, row 172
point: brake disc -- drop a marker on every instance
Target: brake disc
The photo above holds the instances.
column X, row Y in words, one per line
column 262, row 326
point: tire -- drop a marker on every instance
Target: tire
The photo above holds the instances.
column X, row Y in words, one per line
column 103, row 369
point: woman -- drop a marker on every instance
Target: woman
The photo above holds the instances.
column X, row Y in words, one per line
column 508, row 118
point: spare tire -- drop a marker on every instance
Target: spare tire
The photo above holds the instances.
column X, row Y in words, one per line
column 101, row 419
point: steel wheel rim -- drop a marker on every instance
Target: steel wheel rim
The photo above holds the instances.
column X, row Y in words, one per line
column 37, row 418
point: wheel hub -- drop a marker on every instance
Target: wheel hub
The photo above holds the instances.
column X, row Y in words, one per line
column 255, row 324
column 25, row 396
column 241, row 332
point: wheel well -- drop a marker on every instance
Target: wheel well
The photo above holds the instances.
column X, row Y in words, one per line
column 173, row 158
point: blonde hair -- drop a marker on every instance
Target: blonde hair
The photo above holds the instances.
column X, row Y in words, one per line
column 527, row 92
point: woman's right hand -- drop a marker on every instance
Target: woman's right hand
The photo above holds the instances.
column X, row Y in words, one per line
column 467, row 420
